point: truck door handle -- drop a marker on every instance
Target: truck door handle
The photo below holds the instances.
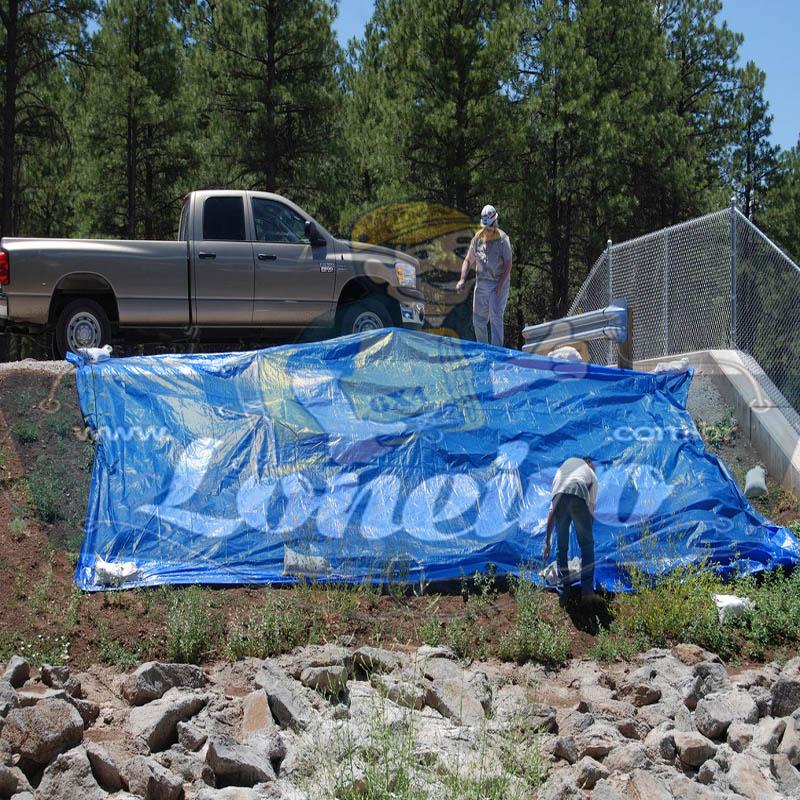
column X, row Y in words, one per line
column 266, row 257
column 201, row 254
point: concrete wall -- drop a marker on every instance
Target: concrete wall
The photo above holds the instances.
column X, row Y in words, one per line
column 761, row 419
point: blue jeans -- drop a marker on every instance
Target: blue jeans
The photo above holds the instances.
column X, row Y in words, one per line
column 572, row 510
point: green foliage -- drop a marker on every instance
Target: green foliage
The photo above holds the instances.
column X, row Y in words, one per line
column 671, row 608
column 117, row 654
column 25, row 432
column 614, row 645
column 533, row 638
column 192, row 626
column 718, row 433
column 276, row 627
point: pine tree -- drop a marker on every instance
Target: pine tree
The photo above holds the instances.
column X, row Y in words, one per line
column 36, row 38
column 135, row 130
column 780, row 212
column 753, row 158
column 271, row 71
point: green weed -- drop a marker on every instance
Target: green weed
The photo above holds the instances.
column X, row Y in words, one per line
column 718, row 433
column 276, row 627
column 192, row 625
column 25, row 432
column 109, row 651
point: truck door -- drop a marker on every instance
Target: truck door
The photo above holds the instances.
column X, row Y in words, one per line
column 222, row 260
column 294, row 280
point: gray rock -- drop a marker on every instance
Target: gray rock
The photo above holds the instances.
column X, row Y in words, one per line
column 400, row 690
column 740, row 735
column 660, row 743
column 790, row 745
column 627, row 758
column 564, row 747
column 745, row 778
column 785, row 775
column 147, row 778
column 8, row 698
column 451, row 694
column 435, row 651
column 68, row 777
column 330, row 680
column 155, row 723
column 189, row 767
column 762, row 696
column 598, row 740
column 375, row 659
column 709, row 772
column 287, row 704
column 640, row 693
column 17, row 671
column 633, row 728
column 12, row 780
column 256, row 716
column 326, row 655
column 560, row 786
column 232, row 793
column 105, row 767
column 786, row 689
column 769, row 734
column 153, row 679
column 604, row 790
column 588, row 772
column 693, row 748
column 88, row 710
column 190, row 736
column 644, row 785
column 34, row 695
column 60, row 678
column 711, row 677
column 41, row 732
column 716, row 711
column 239, row 764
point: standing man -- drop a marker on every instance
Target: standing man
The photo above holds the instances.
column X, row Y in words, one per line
column 574, row 496
column 491, row 249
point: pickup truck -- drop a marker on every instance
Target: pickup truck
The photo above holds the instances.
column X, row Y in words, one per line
column 244, row 263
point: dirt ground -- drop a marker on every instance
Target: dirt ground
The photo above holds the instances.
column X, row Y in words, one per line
column 45, row 467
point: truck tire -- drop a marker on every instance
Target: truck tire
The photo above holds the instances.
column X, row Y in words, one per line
column 5, row 346
column 82, row 323
column 367, row 314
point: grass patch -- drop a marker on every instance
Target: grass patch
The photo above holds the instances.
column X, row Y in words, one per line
column 671, row 608
column 533, row 638
column 25, row 432
column 192, row 626
column 112, row 652
column 276, row 627
column 613, row 645
column 718, row 433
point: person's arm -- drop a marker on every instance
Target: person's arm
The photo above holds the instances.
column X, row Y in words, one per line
column 469, row 259
column 548, row 534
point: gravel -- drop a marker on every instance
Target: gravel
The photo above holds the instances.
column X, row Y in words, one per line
column 32, row 365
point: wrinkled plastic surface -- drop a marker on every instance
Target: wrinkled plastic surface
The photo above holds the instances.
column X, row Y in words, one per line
column 395, row 455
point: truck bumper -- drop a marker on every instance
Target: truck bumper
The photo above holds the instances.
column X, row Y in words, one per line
column 412, row 314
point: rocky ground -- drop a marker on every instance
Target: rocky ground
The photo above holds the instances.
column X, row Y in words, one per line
column 336, row 722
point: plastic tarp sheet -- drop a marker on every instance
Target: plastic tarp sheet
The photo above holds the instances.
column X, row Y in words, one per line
column 393, row 456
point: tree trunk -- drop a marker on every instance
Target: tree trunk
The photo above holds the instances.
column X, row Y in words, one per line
column 7, row 226
column 270, row 144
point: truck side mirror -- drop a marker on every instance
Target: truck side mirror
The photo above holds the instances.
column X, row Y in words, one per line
column 312, row 234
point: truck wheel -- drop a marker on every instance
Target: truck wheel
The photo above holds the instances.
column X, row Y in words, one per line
column 368, row 314
column 83, row 323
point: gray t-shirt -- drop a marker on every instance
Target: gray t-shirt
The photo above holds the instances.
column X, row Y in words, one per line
column 576, row 477
column 490, row 254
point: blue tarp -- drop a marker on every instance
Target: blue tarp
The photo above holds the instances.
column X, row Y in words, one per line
column 394, row 455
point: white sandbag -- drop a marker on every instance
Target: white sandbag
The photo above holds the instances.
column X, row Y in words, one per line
column 108, row 573
column 755, row 482
column 680, row 365
column 565, row 353
column 94, row 355
column 730, row 606
column 550, row 573
column 306, row 566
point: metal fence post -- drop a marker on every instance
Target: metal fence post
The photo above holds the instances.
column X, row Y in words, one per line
column 733, row 271
column 666, row 293
column 609, row 256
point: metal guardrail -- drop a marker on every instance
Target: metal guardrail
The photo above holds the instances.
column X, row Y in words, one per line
column 609, row 323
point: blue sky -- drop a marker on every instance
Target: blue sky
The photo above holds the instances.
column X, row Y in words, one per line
column 770, row 39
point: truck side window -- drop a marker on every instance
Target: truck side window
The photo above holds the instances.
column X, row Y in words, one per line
column 223, row 219
column 276, row 222
column 182, row 237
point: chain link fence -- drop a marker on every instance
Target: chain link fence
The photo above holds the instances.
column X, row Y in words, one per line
column 715, row 282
